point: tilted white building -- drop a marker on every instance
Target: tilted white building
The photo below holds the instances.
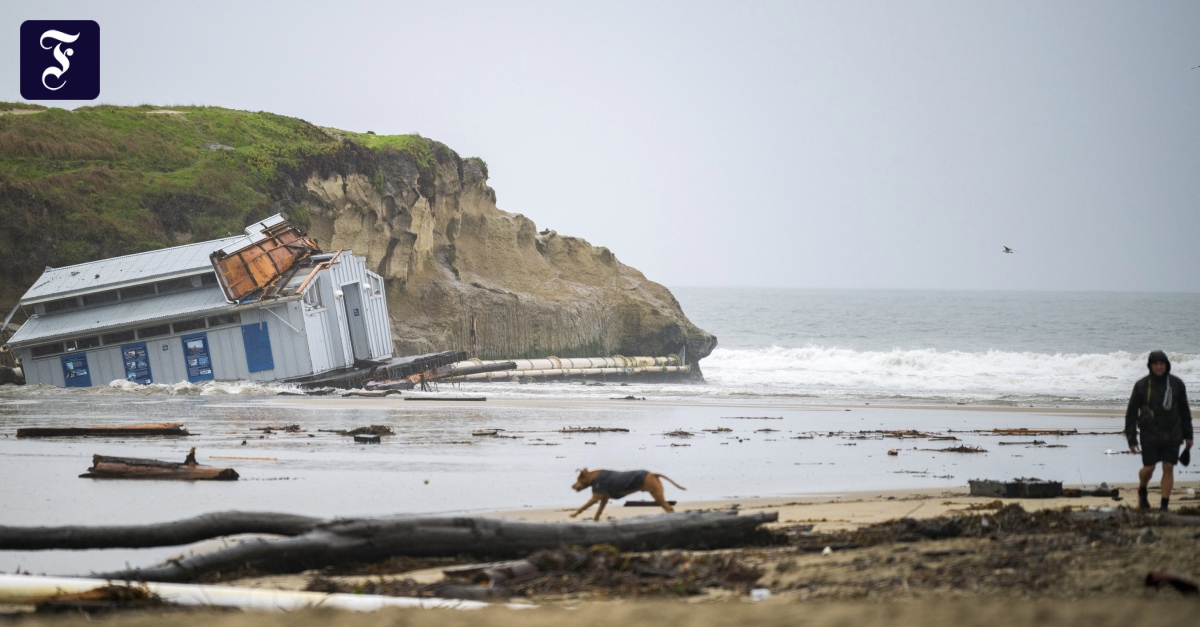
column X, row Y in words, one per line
column 163, row 316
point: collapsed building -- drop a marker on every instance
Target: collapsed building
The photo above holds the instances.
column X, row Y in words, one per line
column 268, row 305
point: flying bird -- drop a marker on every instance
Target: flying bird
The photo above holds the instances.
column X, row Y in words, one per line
column 1009, row 250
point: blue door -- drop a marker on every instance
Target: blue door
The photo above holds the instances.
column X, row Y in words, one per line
column 137, row 363
column 258, row 347
column 196, row 358
column 75, row 371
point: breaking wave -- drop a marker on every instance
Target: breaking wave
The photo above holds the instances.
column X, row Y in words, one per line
column 937, row 375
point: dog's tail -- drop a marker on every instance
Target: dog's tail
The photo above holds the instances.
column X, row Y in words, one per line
column 671, row 480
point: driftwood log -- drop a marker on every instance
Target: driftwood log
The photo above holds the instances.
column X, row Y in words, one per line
column 173, row 533
column 372, row 540
column 105, row 467
column 166, row 428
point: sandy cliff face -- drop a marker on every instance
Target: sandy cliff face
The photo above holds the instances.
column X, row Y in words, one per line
column 450, row 257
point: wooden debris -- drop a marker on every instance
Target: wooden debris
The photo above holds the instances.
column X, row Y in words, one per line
column 679, row 433
column 1029, row 488
column 593, row 430
column 166, row 428
column 174, row 533
column 345, row 541
column 366, row 439
column 104, row 467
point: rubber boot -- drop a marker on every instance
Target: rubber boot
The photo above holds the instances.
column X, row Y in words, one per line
column 1143, row 498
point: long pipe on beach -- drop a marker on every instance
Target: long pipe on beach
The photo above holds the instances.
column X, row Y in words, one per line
column 29, row 589
column 572, row 372
column 556, row 363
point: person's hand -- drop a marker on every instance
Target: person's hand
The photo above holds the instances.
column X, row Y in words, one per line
column 1133, row 448
column 1189, row 445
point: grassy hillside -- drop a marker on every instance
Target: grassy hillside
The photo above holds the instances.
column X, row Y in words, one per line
column 103, row 181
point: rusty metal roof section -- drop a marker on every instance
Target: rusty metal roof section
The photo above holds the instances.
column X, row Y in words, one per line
column 252, row 270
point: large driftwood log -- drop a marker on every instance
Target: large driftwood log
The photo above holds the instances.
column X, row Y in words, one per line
column 165, row 428
column 372, row 540
column 107, row 467
column 172, row 533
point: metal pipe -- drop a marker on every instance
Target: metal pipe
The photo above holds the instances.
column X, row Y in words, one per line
column 572, row 372
column 27, row 589
column 553, row 363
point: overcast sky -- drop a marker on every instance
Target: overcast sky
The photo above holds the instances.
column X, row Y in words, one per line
column 795, row 144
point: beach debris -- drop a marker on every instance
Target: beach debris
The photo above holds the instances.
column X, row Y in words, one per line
column 367, row 439
column 645, row 503
column 802, row 437
column 760, row 594
column 105, row 467
column 679, row 433
column 1156, row 579
column 603, row 570
column 766, row 430
column 962, row 448
column 489, row 433
column 628, row 398
column 103, row 599
column 718, row 430
column 1022, row 488
column 285, row 429
column 893, row 452
column 751, row 417
column 165, row 428
column 828, row 550
column 593, row 430
column 371, row 430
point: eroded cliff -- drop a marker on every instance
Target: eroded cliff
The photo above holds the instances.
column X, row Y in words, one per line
column 105, row 181
column 452, row 260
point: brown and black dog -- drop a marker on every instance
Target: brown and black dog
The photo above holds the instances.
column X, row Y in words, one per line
column 611, row 484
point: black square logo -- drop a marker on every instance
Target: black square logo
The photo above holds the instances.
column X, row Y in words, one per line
column 60, row 60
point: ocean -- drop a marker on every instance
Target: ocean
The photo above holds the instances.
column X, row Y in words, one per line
column 942, row 347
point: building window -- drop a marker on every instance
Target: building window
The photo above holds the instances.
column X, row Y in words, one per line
column 208, row 279
column 137, row 291
column 48, row 349
column 312, row 296
column 175, row 285
column 63, row 304
column 100, row 298
column 82, row 343
column 119, row 337
column 376, row 285
column 155, row 331
column 224, row 319
column 189, row 325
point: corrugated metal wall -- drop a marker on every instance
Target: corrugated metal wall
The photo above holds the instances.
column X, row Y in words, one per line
column 303, row 340
column 352, row 269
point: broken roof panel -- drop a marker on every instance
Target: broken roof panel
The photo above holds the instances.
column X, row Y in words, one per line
column 105, row 274
column 194, row 303
column 272, row 250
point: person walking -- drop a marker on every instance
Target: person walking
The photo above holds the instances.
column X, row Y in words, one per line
column 1158, row 411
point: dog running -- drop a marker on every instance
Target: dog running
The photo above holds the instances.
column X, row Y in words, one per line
column 611, row 484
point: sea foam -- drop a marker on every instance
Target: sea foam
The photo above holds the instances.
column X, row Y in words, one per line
column 936, row 375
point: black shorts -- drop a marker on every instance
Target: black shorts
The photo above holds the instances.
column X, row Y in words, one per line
column 1155, row 453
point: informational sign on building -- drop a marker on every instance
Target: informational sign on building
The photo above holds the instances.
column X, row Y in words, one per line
column 196, row 357
column 75, row 371
column 137, row 363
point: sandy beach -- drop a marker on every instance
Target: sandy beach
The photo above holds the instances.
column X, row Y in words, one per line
column 824, row 468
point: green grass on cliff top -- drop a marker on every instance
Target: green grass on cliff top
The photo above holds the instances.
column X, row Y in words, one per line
column 104, row 181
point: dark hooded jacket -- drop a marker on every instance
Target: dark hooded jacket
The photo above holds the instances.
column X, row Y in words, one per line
column 1159, row 423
